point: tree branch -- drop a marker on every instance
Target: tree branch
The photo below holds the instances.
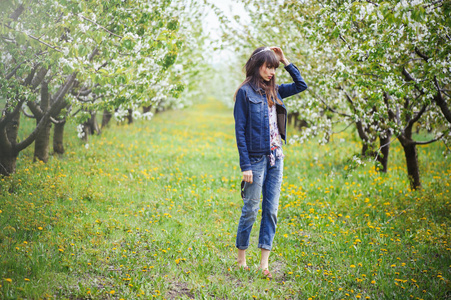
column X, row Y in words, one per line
column 438, row 98
column 385, row 145
column 407, row 75
column 391, row 114
column 39, row 77
column 13, row 71
column 75, row 113
column 409, row 78
column 37, row 112
column 93, row 53
column 101, row 26
column 30, row 76
column 36, row 39
column 80, row 92
column 44, row 43
column 375, row 4
column 92, row 100
column 327, row 105
column 421, row 54
column 11, row 74
column 15, row 15
column 28, row 115
column 347, row 126
column 417, row 116
column 348, row 97
column 60, row 98
column 433, row 140
column 361, row 131
column 56, row 122
column 343, row 39
column 8, row 116
column 433, row 3
column 84, row 101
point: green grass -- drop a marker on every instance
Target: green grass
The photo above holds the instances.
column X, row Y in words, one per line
column 150, row 210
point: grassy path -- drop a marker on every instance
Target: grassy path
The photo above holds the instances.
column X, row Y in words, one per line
column 150, row 211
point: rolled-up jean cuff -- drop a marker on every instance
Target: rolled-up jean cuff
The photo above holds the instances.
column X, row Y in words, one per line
column 266, row 247
column 241, row 247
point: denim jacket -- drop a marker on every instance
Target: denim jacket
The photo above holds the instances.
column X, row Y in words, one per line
column 252, row 116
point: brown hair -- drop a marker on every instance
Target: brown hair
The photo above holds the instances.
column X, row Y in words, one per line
column 259, row 57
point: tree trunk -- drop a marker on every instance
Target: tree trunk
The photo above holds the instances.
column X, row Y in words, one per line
column 106, row 118
column 8, row 155
column 367, row 141
column 410, row 152
column 93, row 122
column 295, row 119
column 302, row 123
column 41, row 144
column 91, row 126
column 7, row 162
column 130, row 116
column 413, row 170
column 385, row 148
column 58, row 135
column 146, row 109
column 292, row 118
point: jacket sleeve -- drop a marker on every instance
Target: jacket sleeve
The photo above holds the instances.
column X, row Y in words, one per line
column 290, row 89
column 240, row 113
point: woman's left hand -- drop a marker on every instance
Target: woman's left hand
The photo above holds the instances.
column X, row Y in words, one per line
column 280, row 55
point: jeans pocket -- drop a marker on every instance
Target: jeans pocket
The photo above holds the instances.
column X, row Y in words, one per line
column 256, row 159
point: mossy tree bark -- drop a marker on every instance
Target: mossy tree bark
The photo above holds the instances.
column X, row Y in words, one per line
column 58, row 137
column 41, row 144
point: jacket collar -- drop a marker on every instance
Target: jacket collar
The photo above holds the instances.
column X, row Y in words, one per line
column 262, row 91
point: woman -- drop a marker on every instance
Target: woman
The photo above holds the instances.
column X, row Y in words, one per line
column 260, row 125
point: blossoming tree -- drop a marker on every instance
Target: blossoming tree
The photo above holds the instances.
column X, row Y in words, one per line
column 84, row 56
column 383, row 65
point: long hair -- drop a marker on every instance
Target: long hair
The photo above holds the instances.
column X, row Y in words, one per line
column 259, row 57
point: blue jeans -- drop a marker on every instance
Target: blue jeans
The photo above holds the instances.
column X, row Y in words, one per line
column 267, row 180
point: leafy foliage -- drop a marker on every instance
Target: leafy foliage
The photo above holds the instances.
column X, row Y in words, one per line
column 383, row 65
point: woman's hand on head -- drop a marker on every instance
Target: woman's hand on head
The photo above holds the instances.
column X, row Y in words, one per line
column 280, row 55
column 247, row 176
